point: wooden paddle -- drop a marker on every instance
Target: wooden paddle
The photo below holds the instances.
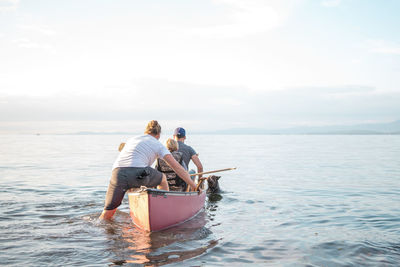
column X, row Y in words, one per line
column 202, row 179
column 221, row 170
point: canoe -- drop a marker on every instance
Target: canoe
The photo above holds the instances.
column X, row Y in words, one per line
column 155, row 210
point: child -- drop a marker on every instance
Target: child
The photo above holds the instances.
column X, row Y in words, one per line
column 175, row 182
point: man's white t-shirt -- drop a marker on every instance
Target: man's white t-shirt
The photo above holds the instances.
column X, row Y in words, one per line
column 140, row 151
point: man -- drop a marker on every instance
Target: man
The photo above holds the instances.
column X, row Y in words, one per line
column 188, row 152
column 132, row 168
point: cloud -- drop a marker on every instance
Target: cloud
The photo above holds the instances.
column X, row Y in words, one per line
column 383, row 47
column 42, row 29
column 209, row 106
column 8, row 5
column 29, row 44
column 335, row 90
column 331, row 3
column 354, row 104
column 246, row 17
column 35, row 36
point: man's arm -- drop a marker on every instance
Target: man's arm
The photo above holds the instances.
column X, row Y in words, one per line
column 179, row 170
column 198, row 164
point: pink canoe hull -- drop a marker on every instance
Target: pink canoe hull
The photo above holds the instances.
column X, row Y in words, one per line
column 155, row 210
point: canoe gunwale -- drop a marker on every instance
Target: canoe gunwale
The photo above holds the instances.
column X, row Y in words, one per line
column 158, row 192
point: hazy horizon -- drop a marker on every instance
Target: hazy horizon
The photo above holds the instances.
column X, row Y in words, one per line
column 218, row 64
column 131, row 128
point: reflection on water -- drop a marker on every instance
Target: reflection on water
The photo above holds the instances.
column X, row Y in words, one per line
column 214, row 197
column 132, row 245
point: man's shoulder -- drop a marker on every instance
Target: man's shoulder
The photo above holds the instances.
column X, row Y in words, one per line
column 185, row 147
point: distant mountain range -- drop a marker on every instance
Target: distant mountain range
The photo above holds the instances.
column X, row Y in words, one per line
column 99, row 133
column 357, row 129
column 371, row 128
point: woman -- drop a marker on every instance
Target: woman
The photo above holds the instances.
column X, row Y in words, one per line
column 132, row 168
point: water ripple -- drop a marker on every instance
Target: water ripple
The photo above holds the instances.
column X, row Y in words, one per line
column 293, row 201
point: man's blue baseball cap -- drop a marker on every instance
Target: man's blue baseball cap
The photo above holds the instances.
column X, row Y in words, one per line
column 180, row 132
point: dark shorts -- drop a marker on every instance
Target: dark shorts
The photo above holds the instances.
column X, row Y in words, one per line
column 123, row 179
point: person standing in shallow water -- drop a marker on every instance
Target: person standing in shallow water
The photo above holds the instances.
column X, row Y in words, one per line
column 132, row 168
column 188, row 153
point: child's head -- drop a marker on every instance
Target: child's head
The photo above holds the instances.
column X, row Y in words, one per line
column 171, row 144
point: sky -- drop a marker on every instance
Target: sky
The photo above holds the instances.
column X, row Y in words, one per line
column 101, row 65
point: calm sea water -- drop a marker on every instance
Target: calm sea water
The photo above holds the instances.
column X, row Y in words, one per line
column 293, row 201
